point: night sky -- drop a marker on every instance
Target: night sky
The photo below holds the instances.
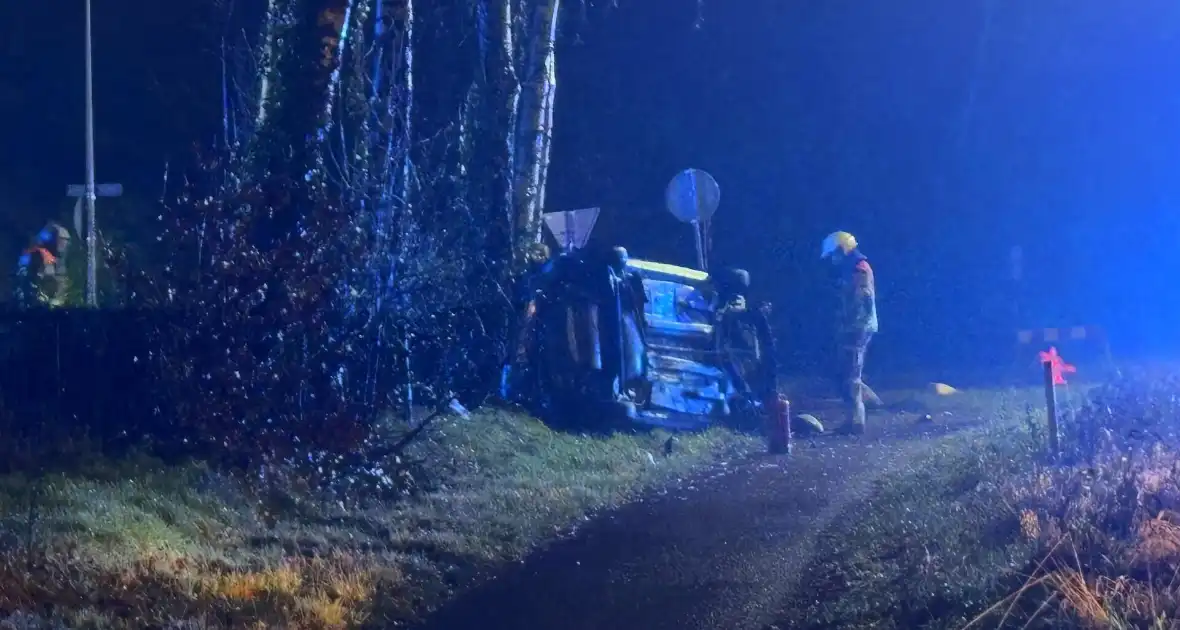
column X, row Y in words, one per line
column 813, row 115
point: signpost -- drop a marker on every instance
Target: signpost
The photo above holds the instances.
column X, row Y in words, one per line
column 693, row 196
column 88, row 191
column 79, row 191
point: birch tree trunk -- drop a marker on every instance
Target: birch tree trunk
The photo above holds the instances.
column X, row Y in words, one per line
column 334, row 21
column 498, row 131
column 547, row 106
column 273, row 30
column 393, row 144
column 535, row 126
column 351, row 142
column 302, row 49
column 407, row 100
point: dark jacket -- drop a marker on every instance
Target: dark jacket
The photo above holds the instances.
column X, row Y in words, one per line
column 857, row 310
column 746, row 341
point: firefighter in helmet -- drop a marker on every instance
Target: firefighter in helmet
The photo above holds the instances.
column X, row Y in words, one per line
column 856, row 322
column 743, row 336
column 41, row 278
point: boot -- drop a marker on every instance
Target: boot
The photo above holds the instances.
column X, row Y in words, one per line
column 870, row 396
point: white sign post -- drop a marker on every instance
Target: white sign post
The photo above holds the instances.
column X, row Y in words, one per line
column 79, row 191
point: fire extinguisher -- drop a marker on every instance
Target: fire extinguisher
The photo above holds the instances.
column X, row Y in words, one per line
column 778, row 424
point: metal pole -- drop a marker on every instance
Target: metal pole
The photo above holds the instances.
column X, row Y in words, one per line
column 91, row 232
column 700, row 242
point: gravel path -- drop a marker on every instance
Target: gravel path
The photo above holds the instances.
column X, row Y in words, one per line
column 718, row 554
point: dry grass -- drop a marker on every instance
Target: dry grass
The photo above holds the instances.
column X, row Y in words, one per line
column 1108, row 529
column 131, row 544
column 1109, row 540
column 1013, row 541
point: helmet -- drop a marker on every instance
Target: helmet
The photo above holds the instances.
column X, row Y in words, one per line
column 842, row 241
column 51, row 232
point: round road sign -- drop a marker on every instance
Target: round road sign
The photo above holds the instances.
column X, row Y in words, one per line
column 693, row 195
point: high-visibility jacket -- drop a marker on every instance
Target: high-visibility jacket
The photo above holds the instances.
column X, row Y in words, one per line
column 41, row 278
column 858, row 297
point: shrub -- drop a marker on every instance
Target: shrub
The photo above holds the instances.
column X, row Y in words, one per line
column 1108, row 521
column 283, row 348
column 281, row 338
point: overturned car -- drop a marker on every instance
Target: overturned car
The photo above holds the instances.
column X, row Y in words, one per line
column 608, row 340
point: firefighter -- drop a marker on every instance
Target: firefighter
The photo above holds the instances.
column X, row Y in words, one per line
column 856, row 322
column 41, row 271
column 518, row 374
column 631, row 321
column 744, row 338
column 736, row 338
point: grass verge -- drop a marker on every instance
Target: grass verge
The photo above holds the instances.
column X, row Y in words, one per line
column 134, row 544
column 934, row 543
column 986, row 533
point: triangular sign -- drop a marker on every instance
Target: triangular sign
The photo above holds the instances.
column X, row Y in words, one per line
column 571, row 228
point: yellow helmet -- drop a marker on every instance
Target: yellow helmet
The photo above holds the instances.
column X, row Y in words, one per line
column 843, row 241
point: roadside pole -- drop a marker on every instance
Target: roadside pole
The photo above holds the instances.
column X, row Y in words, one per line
column 91, row 238
column 82, row 193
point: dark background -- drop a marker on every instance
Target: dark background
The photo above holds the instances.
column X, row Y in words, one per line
column 813, row 115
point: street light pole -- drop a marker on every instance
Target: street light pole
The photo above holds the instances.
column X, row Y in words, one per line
column 91, row 232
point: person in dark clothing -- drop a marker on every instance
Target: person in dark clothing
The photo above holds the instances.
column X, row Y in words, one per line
column 856, row 322
column 630, row 320
column 518, row 377
column 744, row 338
column 41, row 274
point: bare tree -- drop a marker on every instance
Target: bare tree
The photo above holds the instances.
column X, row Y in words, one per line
column 534, row 131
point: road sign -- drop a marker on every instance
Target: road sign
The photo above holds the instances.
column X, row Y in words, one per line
column 101, row 190
column 79, row 191
column 693, row 196
column 571, row 228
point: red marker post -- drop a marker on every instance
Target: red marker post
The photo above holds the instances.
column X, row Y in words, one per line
column 1055, row 370
column 1057, row 366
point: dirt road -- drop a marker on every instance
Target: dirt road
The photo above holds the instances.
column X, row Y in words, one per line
column 717, row 554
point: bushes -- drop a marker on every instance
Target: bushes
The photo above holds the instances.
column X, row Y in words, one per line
column 1012, row 540
column 1124, row 414
column 329, row 265
column 277, row 338
column 1108, row 523
column 298, row 337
